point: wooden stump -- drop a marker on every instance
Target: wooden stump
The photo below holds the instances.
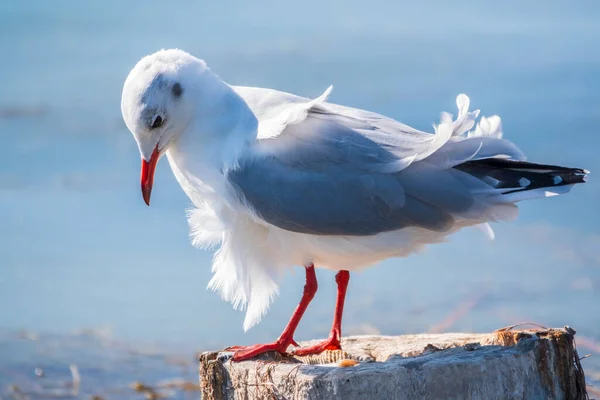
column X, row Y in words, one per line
column 505, row 364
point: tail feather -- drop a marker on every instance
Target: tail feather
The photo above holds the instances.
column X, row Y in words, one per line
column 512, row 178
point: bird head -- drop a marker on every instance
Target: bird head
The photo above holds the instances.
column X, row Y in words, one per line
column 162, row 96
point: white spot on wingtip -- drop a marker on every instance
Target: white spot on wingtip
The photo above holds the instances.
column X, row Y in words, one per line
column 491, row 181
column 585, row 178
column 524, row 182
column 557, row 180
column 550, row 194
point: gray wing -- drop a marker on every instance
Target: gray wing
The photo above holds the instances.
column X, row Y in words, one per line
column 278, row 113
column 334, row 170
column 324, row 178
column 333, row 201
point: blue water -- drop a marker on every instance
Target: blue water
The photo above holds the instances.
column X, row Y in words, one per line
column 80, row 250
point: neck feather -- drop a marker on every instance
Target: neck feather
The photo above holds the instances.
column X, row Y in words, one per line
column 212, row 144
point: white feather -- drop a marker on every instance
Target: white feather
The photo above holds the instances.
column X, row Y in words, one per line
column 487, row 230
column 252, row 253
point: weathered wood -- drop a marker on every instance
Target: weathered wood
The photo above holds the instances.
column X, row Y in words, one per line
column 505, row 364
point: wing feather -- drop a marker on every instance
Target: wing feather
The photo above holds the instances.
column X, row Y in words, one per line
column 325, row 169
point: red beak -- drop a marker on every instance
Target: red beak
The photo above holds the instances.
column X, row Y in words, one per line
column 147, row 178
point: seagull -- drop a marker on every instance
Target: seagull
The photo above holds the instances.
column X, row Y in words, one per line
column 278, row 180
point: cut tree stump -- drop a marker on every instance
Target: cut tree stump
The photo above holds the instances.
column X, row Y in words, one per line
column 505, row 364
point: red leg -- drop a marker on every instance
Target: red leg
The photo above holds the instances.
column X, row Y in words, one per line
column 287, row 336
column 333, row 342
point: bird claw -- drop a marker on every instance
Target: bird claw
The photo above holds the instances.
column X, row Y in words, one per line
column 333, row 343
column 243, row 353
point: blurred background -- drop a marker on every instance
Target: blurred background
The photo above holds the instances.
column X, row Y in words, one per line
column 91, row 277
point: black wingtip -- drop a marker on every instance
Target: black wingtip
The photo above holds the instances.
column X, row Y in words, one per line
column 510, row 174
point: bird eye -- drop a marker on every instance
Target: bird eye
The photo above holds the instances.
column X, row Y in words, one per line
column 156, row 122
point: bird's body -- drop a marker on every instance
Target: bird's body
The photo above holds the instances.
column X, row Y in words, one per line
column 279, row 180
